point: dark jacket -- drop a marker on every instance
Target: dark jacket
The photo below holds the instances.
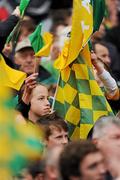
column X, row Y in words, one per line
column 5, row 28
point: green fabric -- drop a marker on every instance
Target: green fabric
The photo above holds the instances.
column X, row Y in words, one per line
column 15, row 32
column 13, row 158
column 48, row 65
column 90, row 45
column 15, row 100
column 36, row 39
column 11, row 103
column 77, row 88
column 23, row 6
column 98, row 13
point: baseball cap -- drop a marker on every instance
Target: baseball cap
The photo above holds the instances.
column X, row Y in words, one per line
column 23, row 44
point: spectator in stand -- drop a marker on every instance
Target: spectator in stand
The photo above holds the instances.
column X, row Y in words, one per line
column 7, row 26
column 112, row 36
column 33, row 102
column 82, row 160
column 24, row 58
column 39, row 104
column 27, row 27
column 103, row 77
column 55, row 130
column 106, row 135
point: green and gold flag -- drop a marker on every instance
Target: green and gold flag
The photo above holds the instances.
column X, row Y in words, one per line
column 19, row 143
column 45, row 50
column 36, row 39
column 41, row 43
column 10, row 77
column 79, row 99
column 23, row 6
column 13, row 36
column 99, row 8
column 82, row 28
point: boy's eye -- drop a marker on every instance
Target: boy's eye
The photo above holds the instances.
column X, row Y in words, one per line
column 41, row 98
column 58, row 137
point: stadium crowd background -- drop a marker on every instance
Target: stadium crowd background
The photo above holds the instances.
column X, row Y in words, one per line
column 56, row 18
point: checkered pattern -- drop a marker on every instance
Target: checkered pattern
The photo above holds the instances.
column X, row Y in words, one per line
column 79, row 100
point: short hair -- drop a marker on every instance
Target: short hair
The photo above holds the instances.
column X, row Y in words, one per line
column 102, row 123
column 38, row 84
column 72, row 157
column 50, row 122
column 29, row 24
column 34, row 168
column 102, row 43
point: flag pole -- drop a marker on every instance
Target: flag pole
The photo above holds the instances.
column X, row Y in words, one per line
column 36, row 68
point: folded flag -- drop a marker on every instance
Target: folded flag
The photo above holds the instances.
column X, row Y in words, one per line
column 10, row 77
column 45, row 50
column 82, row 28
column 41, row 43
column 36, row 39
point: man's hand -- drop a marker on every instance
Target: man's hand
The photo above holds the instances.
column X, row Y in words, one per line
column 30, row 83
column 7, row 49
column 96, row 63
column 16, row 12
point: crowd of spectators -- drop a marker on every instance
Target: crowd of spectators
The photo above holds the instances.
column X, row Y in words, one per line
column 64, row 159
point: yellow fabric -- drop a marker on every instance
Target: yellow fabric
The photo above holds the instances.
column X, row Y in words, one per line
column 80, row 97
column 45, row 51
column 10, row 77
column 19, row 143
column 82, row 28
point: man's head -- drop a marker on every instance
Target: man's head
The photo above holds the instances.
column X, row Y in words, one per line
column 24, row 57
column 55, row 130
column 51, row 163
column 106, row 131
column 106, row 134
column 102, row 52
column 39, row 103
column 81, row 161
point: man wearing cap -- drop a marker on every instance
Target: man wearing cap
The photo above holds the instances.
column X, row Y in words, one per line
column 24, row 58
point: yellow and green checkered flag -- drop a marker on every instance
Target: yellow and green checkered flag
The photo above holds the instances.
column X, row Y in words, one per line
column 79, row 100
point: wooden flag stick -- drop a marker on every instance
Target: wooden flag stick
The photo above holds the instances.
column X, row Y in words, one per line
column 36, row 68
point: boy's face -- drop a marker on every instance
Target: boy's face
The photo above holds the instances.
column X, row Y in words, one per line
column 39, row 101
column 58, row 137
